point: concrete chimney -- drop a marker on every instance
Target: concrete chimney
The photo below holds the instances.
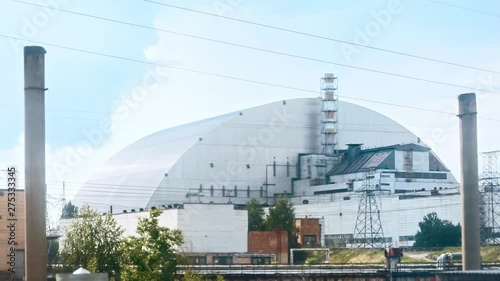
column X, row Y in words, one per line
column 34, row 133
column 470, row 192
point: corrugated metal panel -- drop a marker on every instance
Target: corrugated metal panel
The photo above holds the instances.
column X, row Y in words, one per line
column 376, row 160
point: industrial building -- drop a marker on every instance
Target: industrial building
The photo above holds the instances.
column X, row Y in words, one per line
column 214, row 234
column 206, row 228
column 336, row 161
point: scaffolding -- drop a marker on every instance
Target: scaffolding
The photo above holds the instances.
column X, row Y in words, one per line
column 490, row 199
column 329, row 114
column 368, row 232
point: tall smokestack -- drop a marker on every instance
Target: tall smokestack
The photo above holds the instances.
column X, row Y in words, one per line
column 34, row 126
column 470, row 192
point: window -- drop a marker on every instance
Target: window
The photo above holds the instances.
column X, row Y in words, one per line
column 248, row 191
column 197, row 260
column 222, row 260
column 261, row 260
column 407, row 238
column 375, row 240
column 309, row 241
column 332, row 240
column 435, row 176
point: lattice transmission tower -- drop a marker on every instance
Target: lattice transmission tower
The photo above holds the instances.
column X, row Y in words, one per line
column 490, row 198
column 368, row 232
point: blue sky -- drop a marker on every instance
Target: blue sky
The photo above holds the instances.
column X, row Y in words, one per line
column 86, row 90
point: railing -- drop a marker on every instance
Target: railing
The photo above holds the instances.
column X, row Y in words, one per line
column 278, row 269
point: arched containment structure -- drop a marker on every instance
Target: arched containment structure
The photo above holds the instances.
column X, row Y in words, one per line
column 253, row 153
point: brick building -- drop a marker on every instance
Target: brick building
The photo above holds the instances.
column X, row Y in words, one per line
column 269, row 242
column 309, row 232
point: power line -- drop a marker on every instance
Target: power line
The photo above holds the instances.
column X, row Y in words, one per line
column 168, row 66
column 266, row 50
column 181, row 191
column 239, row 78
column 321, row 37
column 464, row 8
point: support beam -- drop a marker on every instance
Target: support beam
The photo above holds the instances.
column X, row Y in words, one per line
column 469, row 190
column 34, row 114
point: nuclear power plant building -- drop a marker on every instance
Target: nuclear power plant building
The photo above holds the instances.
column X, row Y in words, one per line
column 337, row 161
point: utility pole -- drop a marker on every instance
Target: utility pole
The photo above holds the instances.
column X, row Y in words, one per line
column 471, row 241
column 35, row 202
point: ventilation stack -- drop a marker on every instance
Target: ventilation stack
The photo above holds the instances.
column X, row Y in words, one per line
column 469, row 190
column 329, row 110
column 34, row 149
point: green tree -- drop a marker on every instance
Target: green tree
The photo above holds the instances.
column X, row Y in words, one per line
column 435, row 232
column 52, row 249
column 255, row 215
column 94, row 242
column 69, row 211
column 282, row 216
column 152, row 254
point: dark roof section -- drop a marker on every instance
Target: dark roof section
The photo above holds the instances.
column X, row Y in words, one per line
column 400, row 147
column 372, row 158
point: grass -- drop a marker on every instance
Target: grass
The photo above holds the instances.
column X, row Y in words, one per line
column 435, row 254
column 357, row 256
column 406, row 259
column 360, row 256
column 488, row 254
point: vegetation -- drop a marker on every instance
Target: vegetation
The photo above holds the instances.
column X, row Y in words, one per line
column 255, row 215
column 52, row 250
column 357, row 256
column 93, row 241
column 488, row 254
column 152, row 255
column 435, row 232
column 189, row 276
column 281, row 216
column 69, row 211
column 315, row 257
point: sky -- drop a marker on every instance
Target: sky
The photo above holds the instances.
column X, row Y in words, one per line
column 115, row 83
